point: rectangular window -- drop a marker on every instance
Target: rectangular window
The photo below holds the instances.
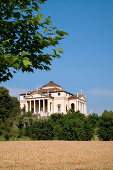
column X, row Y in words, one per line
column 58, row 94
column 59, row 108
column 49, row 94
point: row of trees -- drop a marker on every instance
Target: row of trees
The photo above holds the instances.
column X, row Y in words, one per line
column 73, row 126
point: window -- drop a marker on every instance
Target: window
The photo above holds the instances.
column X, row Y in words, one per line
column 58, row 94
column 49, row 94
column 59, row 108
column 72, row 106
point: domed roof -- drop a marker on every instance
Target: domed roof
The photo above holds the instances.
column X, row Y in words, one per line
column 52, row 85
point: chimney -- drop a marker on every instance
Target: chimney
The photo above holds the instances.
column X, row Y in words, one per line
column 77, row 94
column 81, row 91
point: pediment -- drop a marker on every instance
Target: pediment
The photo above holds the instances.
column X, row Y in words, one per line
column 36, row 95
column 82, row 98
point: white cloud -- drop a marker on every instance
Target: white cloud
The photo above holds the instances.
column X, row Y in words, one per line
column 100, row 92
column 14, row 92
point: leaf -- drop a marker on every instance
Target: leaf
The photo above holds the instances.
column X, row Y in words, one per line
column 47, row 29
column 59, row 50
column 24, row 53
column 47, row 21
column 26, row 62
column 54, row 27
column 61, row 33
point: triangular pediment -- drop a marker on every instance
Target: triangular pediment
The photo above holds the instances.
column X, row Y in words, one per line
column 36, row 95
column 82, row 98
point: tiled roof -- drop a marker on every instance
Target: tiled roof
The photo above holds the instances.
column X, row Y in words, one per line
column 52, row 88
column 75, row 96
column 49, row 90
column 29, row 92
column 51, row 84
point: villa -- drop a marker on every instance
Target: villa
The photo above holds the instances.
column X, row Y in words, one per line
column 51, row 98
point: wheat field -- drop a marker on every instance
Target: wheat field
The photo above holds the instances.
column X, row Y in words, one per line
column 56, row 155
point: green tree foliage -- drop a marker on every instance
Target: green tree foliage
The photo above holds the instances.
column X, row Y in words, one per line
column 15, row 132
column 94, row 120
column 41, row 130
column 25, row 121
column 9, row 109
column 6, row 128
column 73, row 126
column 9, row 106
column 25, row 36
column 105, row 131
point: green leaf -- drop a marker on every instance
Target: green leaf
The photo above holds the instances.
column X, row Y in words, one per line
column 24, row 53
column 59, row 50
column 61, row 33
column 47, row 29
column 54, row 27
column 26, row 62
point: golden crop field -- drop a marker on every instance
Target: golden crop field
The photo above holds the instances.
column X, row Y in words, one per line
column 56, row 155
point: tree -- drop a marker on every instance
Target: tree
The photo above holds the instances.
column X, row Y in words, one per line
column 105, row 131
column 25, row 120
column 9, row 106
column 15, row 130
column 6, row 128
column 41, row 130
column 9, row 109
column 73, row 126
column 24, row 38
column 94, row 120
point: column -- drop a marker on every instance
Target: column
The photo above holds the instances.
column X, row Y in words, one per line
column 30, row 105
column 75, row 106
column 26, row 107
column 39, row 106
column 43, row 105
column 47, row 105
column 34, row 106
column 83, row 107
column 79, row 106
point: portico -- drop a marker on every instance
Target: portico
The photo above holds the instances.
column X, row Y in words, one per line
column 37, row 106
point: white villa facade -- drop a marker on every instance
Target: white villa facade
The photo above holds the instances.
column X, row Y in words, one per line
column 51, row 98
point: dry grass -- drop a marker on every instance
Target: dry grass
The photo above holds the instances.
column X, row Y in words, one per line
column 56, row 155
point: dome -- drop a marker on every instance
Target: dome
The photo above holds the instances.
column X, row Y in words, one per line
column 51, row 84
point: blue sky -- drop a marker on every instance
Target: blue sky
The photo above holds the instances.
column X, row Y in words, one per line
column 87, row 62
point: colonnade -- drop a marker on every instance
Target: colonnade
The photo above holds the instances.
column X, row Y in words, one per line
column 81, row 106
column 37, row 106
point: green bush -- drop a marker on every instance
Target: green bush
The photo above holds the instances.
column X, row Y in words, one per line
column 105, row 131
column 73, row 126
column 41, row 130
